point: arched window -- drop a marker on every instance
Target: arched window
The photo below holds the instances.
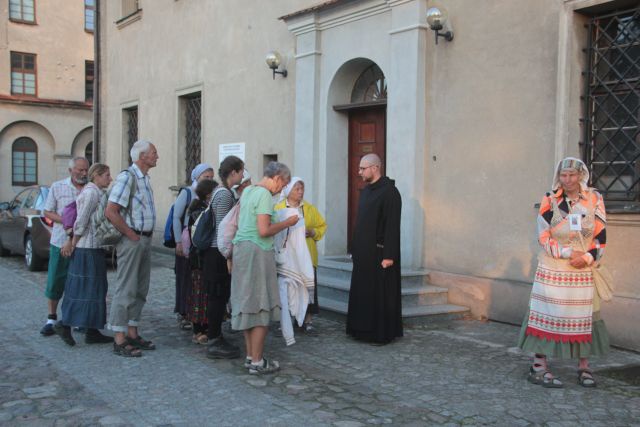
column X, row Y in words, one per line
column 370, row 86
column 24, row 162
column 88, row 152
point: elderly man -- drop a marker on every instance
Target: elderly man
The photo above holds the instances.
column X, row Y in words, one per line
column 136, row 223
column 375, row 310
column 60, row 195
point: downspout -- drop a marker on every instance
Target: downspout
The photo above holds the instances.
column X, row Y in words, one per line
column 96, row 84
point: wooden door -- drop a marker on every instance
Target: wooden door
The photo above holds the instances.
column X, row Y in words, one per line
column 367, row 130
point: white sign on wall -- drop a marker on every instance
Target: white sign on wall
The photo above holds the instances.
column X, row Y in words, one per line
column 233, row 149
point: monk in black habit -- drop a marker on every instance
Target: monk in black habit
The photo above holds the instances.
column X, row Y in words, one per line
column 375, row 310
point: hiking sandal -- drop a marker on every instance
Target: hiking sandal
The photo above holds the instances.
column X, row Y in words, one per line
column 267, row 367
column 544, row 378
column 141, row 343
column 585, row 378
column 125, row 349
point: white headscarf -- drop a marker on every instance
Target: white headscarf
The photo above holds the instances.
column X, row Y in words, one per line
column 574, row 164
column 286, row 190
column 197, row 171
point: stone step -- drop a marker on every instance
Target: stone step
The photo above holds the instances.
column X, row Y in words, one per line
column 440, row 311
column 338, row 289
column 329, row 267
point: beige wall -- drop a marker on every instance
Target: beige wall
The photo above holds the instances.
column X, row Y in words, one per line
column 62, row 46
column 240, row 100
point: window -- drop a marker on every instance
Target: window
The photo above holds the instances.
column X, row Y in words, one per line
column 23, row 73
column 130, row 120
column 192, row 132
column 612, row 106
column 89, row 15
column 88, row 153
column 22, row 11
column 370, row 86
column 24, row 162
column 88, row 81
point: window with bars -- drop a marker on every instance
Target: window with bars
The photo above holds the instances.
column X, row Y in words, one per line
column 131, row 131
column 192, row 132
column 88, row 81
column 89, row 15
column 24, row 162
column 612, row 106
column 22, row 11
column 23, row 74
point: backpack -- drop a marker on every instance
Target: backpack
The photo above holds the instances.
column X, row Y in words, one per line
column 106, row 233
column 227, row 231
column 204, row 227
column 169, row 240
column 69, row 215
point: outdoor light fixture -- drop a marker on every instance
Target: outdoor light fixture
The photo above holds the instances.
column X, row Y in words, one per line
column 273, row 60
column 437, row 18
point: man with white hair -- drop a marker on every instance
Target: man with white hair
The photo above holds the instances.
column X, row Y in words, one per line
column 134, row 249
column 61, row 194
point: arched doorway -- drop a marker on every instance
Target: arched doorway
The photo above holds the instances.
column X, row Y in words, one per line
column 367, row 113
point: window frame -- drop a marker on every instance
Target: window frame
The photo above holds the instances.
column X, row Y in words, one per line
column 599, row 149
column 24, row 182
column 23, row 21
column 88, row 79
column 22, row 70
column 91, row 8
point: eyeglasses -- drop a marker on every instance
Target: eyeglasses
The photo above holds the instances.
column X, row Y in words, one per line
column 360, row 169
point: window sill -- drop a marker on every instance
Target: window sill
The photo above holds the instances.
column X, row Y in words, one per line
column 19, row 21
column 129, row 19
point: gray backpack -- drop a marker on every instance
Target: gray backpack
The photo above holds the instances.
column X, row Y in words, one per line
column 106, row 233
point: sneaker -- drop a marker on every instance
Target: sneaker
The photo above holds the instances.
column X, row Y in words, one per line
column 267, row 367
column 47, row 330
column 310, row 330
column 247, row 362
column 219, row 348
column 94, row 336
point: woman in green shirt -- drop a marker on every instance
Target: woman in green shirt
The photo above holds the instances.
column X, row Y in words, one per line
column 255, row 299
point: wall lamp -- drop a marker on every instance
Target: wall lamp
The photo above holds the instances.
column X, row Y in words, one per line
column 437, row 18
column 273, row 60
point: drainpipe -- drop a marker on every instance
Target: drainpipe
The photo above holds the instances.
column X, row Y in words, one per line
column 96, row 84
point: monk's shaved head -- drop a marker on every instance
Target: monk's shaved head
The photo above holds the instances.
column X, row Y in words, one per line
column 371, row 159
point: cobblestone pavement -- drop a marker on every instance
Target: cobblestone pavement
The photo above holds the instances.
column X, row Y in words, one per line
column 455, row 373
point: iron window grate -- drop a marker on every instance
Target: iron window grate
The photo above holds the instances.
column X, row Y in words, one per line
column 193, row 132
column 132, row 128
column 612, row 105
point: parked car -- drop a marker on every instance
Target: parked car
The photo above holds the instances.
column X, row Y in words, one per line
column 24, row 229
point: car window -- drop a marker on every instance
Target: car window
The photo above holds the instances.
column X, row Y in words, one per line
column 42, row 197
column 20, row 198
column 30, row 199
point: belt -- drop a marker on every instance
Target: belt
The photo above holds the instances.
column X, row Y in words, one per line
column 143, row 233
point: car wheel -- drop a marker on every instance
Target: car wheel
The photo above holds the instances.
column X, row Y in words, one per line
column 32, row 261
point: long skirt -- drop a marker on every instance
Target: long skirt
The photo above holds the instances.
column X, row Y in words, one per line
column 183, row 284
column 313, row 307
column 255, row 298
column 85, row 290
column 197, row 302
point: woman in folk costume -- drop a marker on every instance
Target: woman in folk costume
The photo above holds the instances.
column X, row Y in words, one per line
column 201, row 172
column 564, row 309
column 292, row 196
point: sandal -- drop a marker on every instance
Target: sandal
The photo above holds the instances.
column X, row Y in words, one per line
column 544, row 378
column 141, row 343
column 200, row 338
column 125, row 349
column 585, row 378
column 185, row 325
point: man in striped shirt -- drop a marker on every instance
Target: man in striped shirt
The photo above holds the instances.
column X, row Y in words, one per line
column 136, row 223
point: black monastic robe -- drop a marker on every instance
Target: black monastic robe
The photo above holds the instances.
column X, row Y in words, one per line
column 375, row 309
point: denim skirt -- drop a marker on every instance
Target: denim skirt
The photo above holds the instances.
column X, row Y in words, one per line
column 85, row 290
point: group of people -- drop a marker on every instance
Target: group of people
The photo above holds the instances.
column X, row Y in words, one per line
column 257, row 283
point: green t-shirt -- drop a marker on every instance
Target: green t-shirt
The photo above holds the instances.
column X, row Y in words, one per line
column 254, row 201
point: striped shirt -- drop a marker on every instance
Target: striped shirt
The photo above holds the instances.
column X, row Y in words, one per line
column 60, row 195
column 87, row 202
column 221, row 203
column 142, row 216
